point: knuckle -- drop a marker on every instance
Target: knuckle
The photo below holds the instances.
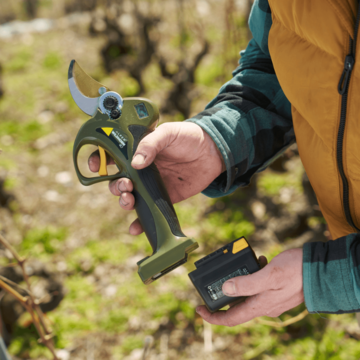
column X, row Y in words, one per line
column 145, row 147
column 128, row 183
column 144, row 144
column 165, row 126
column 113, row 182
column 275, row 276
column 112, row 188
column 239, row 285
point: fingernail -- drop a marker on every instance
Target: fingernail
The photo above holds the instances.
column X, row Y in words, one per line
column 229, row 288
column 122, row 202
column 121, row 186
column 139, row 159
column 198, row 309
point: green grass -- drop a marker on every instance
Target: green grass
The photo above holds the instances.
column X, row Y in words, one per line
column 23, row 132
column 131, row 343
column 20, row 61
column 25, row 344
column 52, row 61
column 96, row 252
column 228, row 225
column 271, row 183
column 43, row 240
column 210, row 73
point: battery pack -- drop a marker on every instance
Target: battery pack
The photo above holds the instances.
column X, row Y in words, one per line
column 234, row 259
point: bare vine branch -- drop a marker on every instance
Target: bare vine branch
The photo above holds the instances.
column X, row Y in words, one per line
column 30, row 303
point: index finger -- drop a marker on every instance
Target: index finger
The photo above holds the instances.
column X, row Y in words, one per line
column 94, row 161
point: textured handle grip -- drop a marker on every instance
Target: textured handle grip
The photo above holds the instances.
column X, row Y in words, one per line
column 155, row 187
column 146, row 219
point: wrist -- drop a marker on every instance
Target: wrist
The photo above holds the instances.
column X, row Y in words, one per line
column 214, row 151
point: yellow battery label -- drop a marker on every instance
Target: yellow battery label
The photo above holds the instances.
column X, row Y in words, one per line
column 239, row 245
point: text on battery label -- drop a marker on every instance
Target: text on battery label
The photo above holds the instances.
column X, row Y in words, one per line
column 215, row 289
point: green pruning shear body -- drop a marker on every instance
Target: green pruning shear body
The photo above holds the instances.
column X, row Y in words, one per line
column 117, row 126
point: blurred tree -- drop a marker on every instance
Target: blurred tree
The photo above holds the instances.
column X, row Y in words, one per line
column 31, row 7
column 180, row 97
column 249, row 4
column 7, row 12
column 79, row 5
column 127, row 50
column 1, row 82
column 5, row 196
column 130, row 47
column 236, row 34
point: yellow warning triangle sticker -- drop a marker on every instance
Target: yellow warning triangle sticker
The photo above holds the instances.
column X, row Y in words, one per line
column 107, row 130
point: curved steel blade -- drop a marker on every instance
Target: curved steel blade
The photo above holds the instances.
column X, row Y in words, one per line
column 84, row 89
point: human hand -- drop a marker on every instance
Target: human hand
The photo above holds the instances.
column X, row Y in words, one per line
column 187, row 158
column 274, row 289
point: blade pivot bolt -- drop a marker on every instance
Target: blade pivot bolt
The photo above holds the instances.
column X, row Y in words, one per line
column 110, row 103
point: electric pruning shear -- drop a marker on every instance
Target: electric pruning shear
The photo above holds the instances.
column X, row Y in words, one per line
column 116, row 127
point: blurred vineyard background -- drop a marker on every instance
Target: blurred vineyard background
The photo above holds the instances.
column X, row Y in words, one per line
column 82, row 261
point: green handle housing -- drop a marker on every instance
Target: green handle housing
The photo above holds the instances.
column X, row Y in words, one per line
column 120, row 139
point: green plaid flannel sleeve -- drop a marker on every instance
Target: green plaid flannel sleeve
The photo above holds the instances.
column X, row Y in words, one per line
column 250, row 119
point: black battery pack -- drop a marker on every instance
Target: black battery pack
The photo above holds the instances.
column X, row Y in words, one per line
column 234, row 259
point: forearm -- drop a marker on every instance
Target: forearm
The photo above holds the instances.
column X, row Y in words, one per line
column 250, row 122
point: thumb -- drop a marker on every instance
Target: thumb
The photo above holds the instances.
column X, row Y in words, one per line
column 150, row 146
column 248, row 285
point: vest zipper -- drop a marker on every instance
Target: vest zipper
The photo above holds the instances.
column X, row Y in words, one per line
column 343, row 88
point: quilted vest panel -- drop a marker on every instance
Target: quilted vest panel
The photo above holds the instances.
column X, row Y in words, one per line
column 308, row 43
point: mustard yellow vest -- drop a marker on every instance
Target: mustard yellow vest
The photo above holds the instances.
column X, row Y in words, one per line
column 308, row 44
